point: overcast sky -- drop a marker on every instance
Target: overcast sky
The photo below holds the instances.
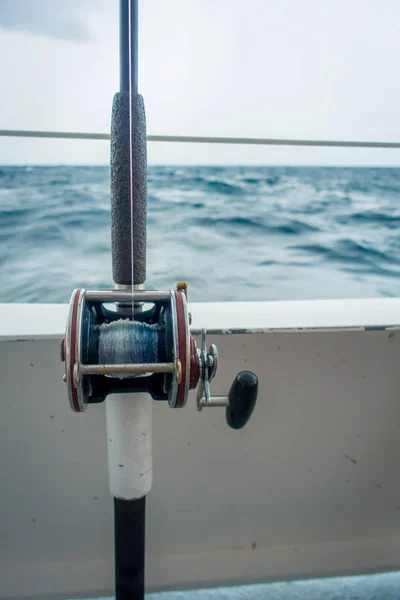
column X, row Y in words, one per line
column 263, row 68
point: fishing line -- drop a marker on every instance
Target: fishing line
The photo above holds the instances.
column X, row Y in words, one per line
column 131, row 147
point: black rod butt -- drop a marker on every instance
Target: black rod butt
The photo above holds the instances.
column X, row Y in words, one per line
column 129, row 523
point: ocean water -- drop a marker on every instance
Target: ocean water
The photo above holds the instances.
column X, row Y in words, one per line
column 234, row 233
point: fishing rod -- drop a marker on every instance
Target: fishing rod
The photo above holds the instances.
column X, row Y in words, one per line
column 133, row 346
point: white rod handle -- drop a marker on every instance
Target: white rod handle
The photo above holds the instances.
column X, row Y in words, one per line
column 129, row 439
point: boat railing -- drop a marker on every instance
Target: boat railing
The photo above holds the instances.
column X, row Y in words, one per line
column 192, row 139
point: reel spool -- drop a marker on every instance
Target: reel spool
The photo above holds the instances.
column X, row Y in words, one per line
column 106, row 352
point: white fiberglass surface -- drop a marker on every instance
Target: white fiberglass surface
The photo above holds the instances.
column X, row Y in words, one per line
column 34, row 321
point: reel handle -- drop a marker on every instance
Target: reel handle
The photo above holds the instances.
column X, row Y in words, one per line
column 242, row 399
column 242, row 396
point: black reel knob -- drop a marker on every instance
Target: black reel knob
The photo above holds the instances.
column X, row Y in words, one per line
column 242, row 399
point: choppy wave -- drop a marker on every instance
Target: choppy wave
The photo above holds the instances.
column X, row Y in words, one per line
column 235, row 233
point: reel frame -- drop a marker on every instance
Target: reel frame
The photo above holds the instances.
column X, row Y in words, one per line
column 84, row 375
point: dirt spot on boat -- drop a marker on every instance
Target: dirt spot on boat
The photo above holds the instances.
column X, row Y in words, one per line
column 353, row 460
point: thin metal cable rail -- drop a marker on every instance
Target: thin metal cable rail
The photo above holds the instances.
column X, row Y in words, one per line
column 72, row 135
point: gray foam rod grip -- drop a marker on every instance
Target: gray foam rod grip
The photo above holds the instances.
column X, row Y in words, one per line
column 121, row 189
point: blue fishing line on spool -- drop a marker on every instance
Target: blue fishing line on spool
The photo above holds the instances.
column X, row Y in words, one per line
column 127, row 342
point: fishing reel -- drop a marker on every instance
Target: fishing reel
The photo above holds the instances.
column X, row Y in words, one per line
column 106, row 351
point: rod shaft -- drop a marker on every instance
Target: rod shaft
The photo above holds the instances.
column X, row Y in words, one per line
column 128, row 46
column 128, row 212
column 129, row 523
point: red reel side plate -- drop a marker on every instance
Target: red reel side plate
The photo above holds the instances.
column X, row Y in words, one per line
column 183, row 346
column 72, row 351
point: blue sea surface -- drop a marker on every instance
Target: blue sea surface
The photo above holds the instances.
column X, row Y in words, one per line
column 234, row 233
